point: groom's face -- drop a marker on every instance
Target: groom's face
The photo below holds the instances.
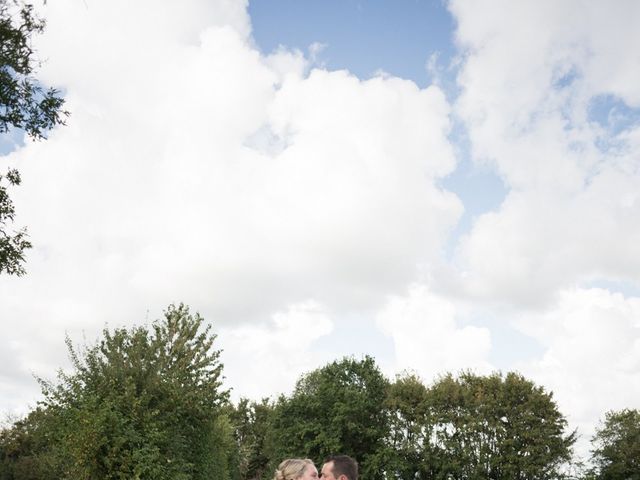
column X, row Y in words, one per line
column 327, row 472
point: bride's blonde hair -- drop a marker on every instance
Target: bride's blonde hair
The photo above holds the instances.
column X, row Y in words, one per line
column 291, row 468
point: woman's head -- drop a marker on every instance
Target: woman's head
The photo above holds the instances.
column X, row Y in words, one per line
column 296, row 469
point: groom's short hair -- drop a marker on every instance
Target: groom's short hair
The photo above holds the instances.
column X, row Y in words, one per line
column 344, row 465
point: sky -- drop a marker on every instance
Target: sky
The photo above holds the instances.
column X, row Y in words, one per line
column 445, row 186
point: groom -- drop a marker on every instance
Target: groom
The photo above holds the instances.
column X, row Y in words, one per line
column 339, row 467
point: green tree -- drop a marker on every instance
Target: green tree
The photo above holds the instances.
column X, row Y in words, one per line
column 336, row 408
column 407, row 451
column 252, row 426
column 26, row 451
column 487, row 427
column 12, row 243
column 140, row 404
column 24, row 105
column 616, row 446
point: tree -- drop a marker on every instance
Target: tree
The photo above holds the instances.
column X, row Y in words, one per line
column 25, row 449
column 407, row 453
column 24, row 105
column 141, row 404
column 487, row 427
column 616, row 446
column 338, row 408
column 12, row 244
column 252, row 423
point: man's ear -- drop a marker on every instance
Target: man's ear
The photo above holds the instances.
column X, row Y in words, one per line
column 342, row 477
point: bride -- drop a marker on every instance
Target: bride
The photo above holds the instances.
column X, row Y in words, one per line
column 296, row 469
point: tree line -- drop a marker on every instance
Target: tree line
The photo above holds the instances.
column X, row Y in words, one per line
column 148, row 402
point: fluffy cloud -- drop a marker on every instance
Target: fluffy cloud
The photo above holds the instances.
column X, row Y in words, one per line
column 531, row 75
column 428, row 336
column 193, row 168
column 547, row 94
column 591, row 339
column 539, row 242
column 278, row 351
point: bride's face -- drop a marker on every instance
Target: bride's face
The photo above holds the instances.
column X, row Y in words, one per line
column 310, row 473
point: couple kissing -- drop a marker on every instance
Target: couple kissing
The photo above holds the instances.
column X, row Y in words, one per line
column 337, row 467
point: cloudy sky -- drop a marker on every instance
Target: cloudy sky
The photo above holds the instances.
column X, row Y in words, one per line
column 442, row 185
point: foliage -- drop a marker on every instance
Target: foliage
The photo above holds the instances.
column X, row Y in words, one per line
column 141, row 404
column 616, row 452
column 496, row 427
column 252, row 425
column 12, row 244
column 336, row 408
column 148, row 403
column 407, row 450
column 25, row 105
column 26, row 449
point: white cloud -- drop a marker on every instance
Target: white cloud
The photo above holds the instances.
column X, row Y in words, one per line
column 592, row 354
column 266, row 358
column 195, row 169
column 539, row 242
column 429, row 338
column 530, row 74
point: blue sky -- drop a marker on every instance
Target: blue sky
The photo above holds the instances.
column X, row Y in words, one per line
column 475, row 206
column 360, row 36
